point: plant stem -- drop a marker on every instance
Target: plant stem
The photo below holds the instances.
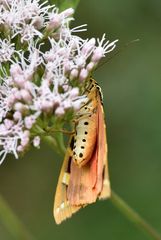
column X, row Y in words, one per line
column 14, row 226
column 57, row 143
column 133, row 216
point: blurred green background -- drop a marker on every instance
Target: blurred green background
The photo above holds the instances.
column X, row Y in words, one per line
column 131, row 84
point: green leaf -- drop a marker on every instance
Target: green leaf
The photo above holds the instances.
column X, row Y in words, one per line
column 64, row 4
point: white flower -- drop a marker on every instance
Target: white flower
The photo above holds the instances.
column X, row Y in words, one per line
column 57, row 20
column 28, row 32
column 5, row 97
column 11, row 133
column 38, row 87
column 9, row 145
column 25, row 17
column 6, row 50
column 103, row 48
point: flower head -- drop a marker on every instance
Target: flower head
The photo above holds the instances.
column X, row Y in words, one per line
column 43, row 67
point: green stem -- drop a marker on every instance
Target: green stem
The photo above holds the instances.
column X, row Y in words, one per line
column 60, row 141
column 57, row 143
column 133, row 216
column 10, row 220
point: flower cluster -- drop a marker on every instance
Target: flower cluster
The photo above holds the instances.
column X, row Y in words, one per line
column 43, row 66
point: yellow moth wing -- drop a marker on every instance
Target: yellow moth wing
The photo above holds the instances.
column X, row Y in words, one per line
column 103, row 154
column 62, row 208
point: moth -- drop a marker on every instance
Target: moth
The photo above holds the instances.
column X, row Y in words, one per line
column 84, row 174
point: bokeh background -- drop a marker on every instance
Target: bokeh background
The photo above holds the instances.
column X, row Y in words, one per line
column 131, row 84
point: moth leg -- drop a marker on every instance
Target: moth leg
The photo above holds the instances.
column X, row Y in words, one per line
column 52, row 130
column 67, row 132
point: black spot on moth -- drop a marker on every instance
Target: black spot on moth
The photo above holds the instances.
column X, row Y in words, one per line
column 69, row 164
column 72, row 143
column 81, row 155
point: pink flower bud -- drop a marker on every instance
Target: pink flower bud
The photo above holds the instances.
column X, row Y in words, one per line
column 15, row 70
column 3, row 130
column 63, row 52
column 26, row 95
column 17, row 116
column 83, row 74
column 90, row 66
column 76, row 105
column 26, row 133
column 29, row 86
column 67, row 66
column 88, row 47
column 29, row 121
column 25, row 141
column 8, row 123
column 59, row 111
column 20, row 148
column 74, row 74
column 38, row 22
column 20, row 107
column 46, row 106
column 81, row 61
column 56, row 101
column 17, row 95
column 36, row 141
column 67, row 104
column 11, row 100
column 55, row 21
column 74, row 92
column 66, row 13
column 97, row 54
column 65, row 87
column 19, row 80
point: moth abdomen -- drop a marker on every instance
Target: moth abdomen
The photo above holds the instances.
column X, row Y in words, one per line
column 84, row 141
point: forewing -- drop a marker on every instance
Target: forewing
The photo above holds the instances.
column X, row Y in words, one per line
column 62, row 208
column 102, row 172
column 82, row 181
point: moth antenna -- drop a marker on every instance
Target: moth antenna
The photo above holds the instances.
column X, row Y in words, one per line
column 67, row 132
column 108, row 59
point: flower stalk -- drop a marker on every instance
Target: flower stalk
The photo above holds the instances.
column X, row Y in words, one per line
column 12, row 223
column 134, row 217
